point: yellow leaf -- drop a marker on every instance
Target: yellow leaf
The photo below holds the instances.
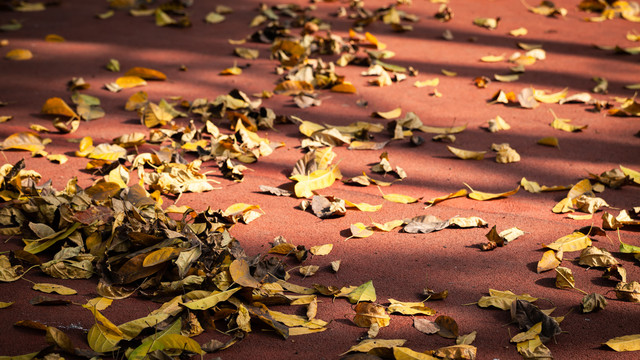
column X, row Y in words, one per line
column 4, row 305
column 308, row 270
column 374, row 40
column 404, row 353
column 572, row 242
column 391, row 114
column 633, row 174
column 363, row 206
column 409, row 308
column 482, row 196
column 388, row 226
column 137, row 101
column 442, row 130
column 307, row 128
column 210, row 300
column 57, row 106
column 99, row 303
column 100, row 339
column 466, row 154
column 401, row 199
column 497, row 124
column 234, row 70
column 321, row 250
column 549, row 141
column 529, row 334
column 518, row 32
column 25, row 140
column 369, row 344
column 54, row 38
column 554, row 98
column 54, row 288
column 344, row 87
column 563, row 124
column 448, row 73
column 38, row 128
column 85, row 147
column 159, row 256
column 19, row 55
column 239, row 209
column 5, row 118
column 502, row 299
column 293, row 87
column 459, row 193
column 625, row 343
column 550, row 260
column 318, row 179
column 492, row 58
column 58, row 158
column 145, row 73
column 360, row 230
column 430, row 82
column 109, row 152
column 176, row 342
column 126, row 82
column 240, row 273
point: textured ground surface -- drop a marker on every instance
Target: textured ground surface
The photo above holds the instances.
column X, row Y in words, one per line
column 399, row 264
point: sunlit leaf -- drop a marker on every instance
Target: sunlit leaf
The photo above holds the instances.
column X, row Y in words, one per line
column 318, row 179
column 466, row 154
column 401, row 199
column 563, row 124
column 54, row 288
column 405, row 353
column 210, row 301
column 483, row 196
column 57, row 106
column 550, row 260
column 489, row 23
column 391, row 114
column 364, row 292
column 26, row 140
column 409, row 308
column 360, row 230
column 459, row 193
column 369, row 344
column 502, row 299
column 572, row 242
column 624, row 343
column 126, row 82
column 518, row 32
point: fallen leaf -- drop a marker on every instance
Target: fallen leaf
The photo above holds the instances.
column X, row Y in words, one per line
column 425, row 326
column 404, row 353
column 572, row 242
column 401, row 199
column 543, row 97
column 321, row 250
column 360, row 230
column 391, row 114
column 409, row 308
column 518, row 32
column 497, row 124
column 364, row 292
column 368, row 313
column 448, row 327
column 527, row 315
column 53, row 288
column 19, row 55
column 502, row 299
column 26, row 140
column 549, row 141
column 369, row 344
column 563, row 124
column 565, row 279
column 550, row 260
column 466, row 339
column 628, row 291
column 459, row 193
column 624, row 343
column 127, row 82
column 592, row 302
column 57, row 106
column 460, row 351
column 424, row 224
column 466, row 154
column 483, row 196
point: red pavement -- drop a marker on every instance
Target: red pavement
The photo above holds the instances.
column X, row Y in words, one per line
column 399, row 264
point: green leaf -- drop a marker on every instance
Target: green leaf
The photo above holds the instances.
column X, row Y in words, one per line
column 364, row 292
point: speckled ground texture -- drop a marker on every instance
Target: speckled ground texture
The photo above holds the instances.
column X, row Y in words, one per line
column 399, row 264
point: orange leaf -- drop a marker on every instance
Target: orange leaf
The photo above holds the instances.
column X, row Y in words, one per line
column 57, row 106
column 146, row 73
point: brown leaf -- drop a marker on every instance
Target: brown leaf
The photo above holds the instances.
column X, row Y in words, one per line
column 448, row 327
column 593, row 302
column 527, row 315
column 594, row 257
column 369, row 313
column 426, row 326
column 628, row 291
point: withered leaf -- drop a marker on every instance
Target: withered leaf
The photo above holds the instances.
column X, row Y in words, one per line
column 424, row 224
column 369, row 313
column 448, row 327
column 628, row 291
column 426, row 326
column 593, row 302
column 527, row 315
column 594, row 257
